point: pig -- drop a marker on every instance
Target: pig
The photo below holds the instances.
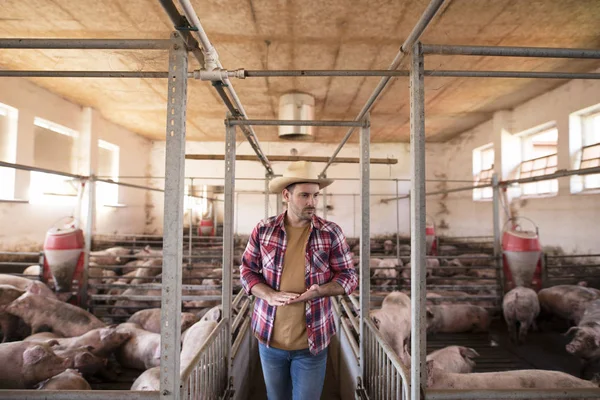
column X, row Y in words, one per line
column 520, row 307
column 393, row 320
column 33, row 270
column 431, row 264
column 147, row 252
column 476, row 260
column 8, row 323
column 458, row 359
column 67, row 380
column 148, row 380
column 111, row 256
column 448, row 249
column 25, row 364
column 141, row 351
column 24, row 284
column 81, row 359
column 103, row 341
column 132, row 291
column 148, row 269
column 150, row 320
column 194, row 338
column 64, row 319
column 566, row 301
column 388, row 247
column 586, row 342
column 457, row 318
column 386, row 276
column 131, row 266
column 437, row 378
column 449, row 268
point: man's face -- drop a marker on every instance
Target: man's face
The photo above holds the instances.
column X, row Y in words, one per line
column 302, row 200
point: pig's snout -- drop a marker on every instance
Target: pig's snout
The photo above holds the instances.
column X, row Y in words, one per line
column 571, row 348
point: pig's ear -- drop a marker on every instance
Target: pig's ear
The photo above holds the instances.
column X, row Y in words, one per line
column 106, row 332
column 157, row 353
column 51, row 342
column 33, row 288
column 468, row 352
column 571, row 329
column 147, row 249
column 214, row 314
column 34, row 355
column 429, row 313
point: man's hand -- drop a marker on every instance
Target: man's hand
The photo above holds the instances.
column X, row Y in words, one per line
column 281, row 298
column 311, row 293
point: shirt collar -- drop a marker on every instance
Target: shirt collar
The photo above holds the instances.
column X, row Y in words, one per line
column 316, row 223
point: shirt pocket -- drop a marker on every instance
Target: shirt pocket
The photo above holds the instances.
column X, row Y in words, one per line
column 320, row 271
column 269, row 257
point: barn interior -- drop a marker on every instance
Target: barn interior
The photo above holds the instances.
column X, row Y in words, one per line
column 104, row 136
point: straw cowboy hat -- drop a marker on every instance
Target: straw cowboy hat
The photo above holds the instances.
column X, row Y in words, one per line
column 298, row 172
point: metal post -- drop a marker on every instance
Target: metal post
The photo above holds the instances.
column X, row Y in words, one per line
column 398, row 228
column 191, row 212
column 228, row 235
column 325, row 201
column 267, row 180
column 417, row 234
column 89, row 230
column 365, row 233
column 497, row 243
column 173, row 221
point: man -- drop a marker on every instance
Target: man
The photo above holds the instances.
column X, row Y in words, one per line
column 292, row 264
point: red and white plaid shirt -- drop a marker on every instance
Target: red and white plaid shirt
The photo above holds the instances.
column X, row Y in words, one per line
column 327, row 259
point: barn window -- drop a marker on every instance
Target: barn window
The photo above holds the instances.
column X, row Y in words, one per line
column 483, row 169
column 590, row 151
column 8, row 150
column 53, row 149
column 539, row 158
column 108, row 169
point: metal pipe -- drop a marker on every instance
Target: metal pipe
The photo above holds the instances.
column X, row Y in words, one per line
column 514, row 74
column 339, row 160
column 509, row 51
column 350, row 337
column 351, row 316
column 365, row 240
column 238, row 340
column 89, row 231
column 506, row 394
column 83, row 74
column 36, row 169
column 152, row 298
column 319, row 73
column 417, row 234
column 397, row 225
column 230, row 147
column 241, row 315
column 99, row 44
column 557, row 174
column 173, row 220
column 282, row 122
column 496, row 226
column 414, row 35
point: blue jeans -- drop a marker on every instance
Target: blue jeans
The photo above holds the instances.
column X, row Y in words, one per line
column 296, row 374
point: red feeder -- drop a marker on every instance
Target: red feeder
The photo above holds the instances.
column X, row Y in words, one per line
column 430, row 238
column 63, row 256
column 206, row 228
column 521, row 251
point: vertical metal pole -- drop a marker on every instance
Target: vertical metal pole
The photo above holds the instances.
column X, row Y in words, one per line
column 398, row 228
column 191, row 212
column 228, row 235
column 497, row 243
column 89, row 231
column 417, row 234
column 215, row 216
column 325, row 200
column 267, row 180
column 365, row 233
column 173, row 221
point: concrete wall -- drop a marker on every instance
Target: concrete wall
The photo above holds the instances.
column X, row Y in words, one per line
column 567, row 220
column 23, row 225
column 250, row 200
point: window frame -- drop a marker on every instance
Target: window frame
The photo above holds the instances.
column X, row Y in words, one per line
column 552, row 184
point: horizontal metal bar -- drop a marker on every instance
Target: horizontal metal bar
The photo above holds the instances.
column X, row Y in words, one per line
column 36, row 169
column 571, row 393
column 513, row 74
column 281, row 122
column 557, row 174
column 508, row 51
column 83, row 74
column 322, row 73
column 98, row 44
column 20, row 253
column 78, row 395
column 150, row 298
column 151, row 286
column 565, row 255
column 339, row 160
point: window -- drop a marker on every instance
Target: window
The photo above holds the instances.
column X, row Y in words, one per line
column 8, row 150
column 53, row 149
column 108, row 169
column 483, row 169
column 590, row 151
column 539, row 158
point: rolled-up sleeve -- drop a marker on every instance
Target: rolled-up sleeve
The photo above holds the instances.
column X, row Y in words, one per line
column 251, row 268
column 341, row 263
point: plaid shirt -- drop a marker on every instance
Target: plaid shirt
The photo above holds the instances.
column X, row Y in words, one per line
column 327, row 259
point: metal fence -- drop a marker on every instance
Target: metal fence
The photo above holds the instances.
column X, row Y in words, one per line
column 384, row 375
column 205, row 378
column 571, row 269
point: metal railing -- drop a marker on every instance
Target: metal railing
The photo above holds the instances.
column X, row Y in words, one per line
column 384, row 375
column 205, row 378
column 570, row 269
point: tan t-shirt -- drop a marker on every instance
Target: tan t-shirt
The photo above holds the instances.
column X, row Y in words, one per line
column 289, row 326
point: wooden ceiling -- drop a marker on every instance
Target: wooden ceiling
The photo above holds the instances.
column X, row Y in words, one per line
column 307, row 34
